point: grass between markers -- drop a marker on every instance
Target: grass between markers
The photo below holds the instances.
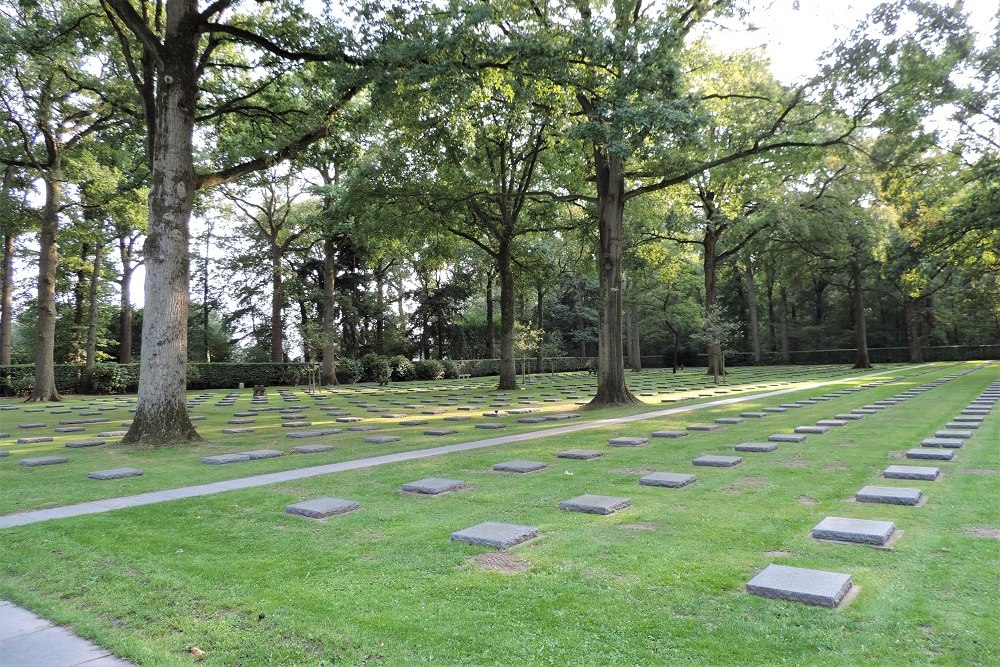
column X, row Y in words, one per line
column 658, row 583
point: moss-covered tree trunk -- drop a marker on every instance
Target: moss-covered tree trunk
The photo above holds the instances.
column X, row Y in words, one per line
column 48, row 259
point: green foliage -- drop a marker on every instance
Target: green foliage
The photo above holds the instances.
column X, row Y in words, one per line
column 402, row 368
column 428, row 369
column 116, row 378
column 375, row 368
column 349, row 371
column 450, row 369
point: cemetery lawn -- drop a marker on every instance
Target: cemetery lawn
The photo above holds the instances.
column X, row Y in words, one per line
column 661, row 582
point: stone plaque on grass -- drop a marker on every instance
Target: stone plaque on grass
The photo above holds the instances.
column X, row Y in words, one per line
column 773, row 409
column 237, row 431
column 432, row 486
column 494, row 534
column 812, row 430
column 311, row 449
column 491, row 426
column 580, row 454
column 349, row 420
column 831, row 422
column 76, row 444
column 848, row 416
column 313, row 434
column 671, row 480
column 222, row 459
column 531, row 420
column 730, row 420
column 715, row 461
column 519, row 466
column 414, row 422
column 947, row 443
column 926, row 473
column 859, row 531
column 591, row 504
column 891, row 495
column 756, row 447
column 669, row 434
column 112, row 434
column 381, row 439
column 628, row 442
column 953, row 435
column 363, row 428
column 32, row 425
column 753, row 414
column 440, row 431
column 321, row 508
column 786, row 437
column 296, row 424
column 815, row 587
column 949, row 425
column 36, row 461
column 931, row 454
column 263, row 454
column 703, row 427
column 114, row 473
column 33, row 440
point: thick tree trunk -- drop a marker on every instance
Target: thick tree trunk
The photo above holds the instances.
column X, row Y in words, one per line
column 161, row 417
column 304, row 328
column 6, row 299
column 710, row 269
column 125, row 314
column 491, row 347
column 505, row 270
column 329, row 373
column 634, row 352
column 752, row 307
column 277, row 296
column 380, row 317
column 771, row 318
column 858, row 304
column 204, row 297
column 819, row 287
column 611, row 387
column 92, row 312
column 786, row 350
column 913, row 337
column 79, row 301
column 674, row 332
column 539, row 324
column 45, row 335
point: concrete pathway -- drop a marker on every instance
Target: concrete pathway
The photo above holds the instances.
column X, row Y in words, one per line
column 153, row 497
column 27, row 640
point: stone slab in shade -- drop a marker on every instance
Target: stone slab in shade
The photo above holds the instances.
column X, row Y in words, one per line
column 519, row 465
column 32, row 425
column 42, row 461
column 313, row 434
column 494, row 534
column 753, row 415
column 69, row 429
column 671, row 480
column 311, row 449
column 756, row 447
column 860, row 531
column 714, row 461
column 947, row 443
column 960, row 435
column 669, row 434
column 927, row 473
column 969, row 418
column 222, row 459
column 591, row 504
column 491, row 426
column 263, row 454
column 729, row 420
column 581, row 454
column 31, row 441
column 114, row 473
column 812, row 430
column 4, row 453
column 414, row 422
column 363, row 428
column 236, row 431
column 238, row 422
column 772, row 409
column 381, row 439
column 440, row 431
column 797, row 584
column 320, row 508
column 831, row 422
column 848, row 416
column 628, row 442
column 295, row 424
column 891, row 495
column 931, row 454
column 976, row 411
column 703, row 427
column 531, row 420
column 432, row 486
column 76, row 444
column 112, row 434
column 949, row 425
column 786, row 437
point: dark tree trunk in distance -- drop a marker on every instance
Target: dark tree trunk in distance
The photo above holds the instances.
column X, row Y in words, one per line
column 752, row 307
column 92, row 313
column 540, row 350
column 786, row 352
column 491, row 347
column 329, row 372
column 858, row 305
column 45, row 336
column 6, row 299
column 505, row 270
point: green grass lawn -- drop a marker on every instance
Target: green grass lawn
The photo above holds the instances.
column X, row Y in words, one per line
column 661, row 582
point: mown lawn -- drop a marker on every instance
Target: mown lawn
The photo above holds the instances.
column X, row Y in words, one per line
column 661, row 582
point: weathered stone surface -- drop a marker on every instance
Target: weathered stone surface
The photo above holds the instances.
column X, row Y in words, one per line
column 730, row 420
column 927, row 473
column 930, row 453
column 298, row 424
column 114, row 473
column 349, row 420
column 489, row 426
column 432, row 486
column 812, row 430
column 831, row 422
column 76, row 444
column 581, row 454
column 314, row 434
column 848, row 416
column 863, row 411
column 519, row 465
column 69, row 429
column 263, row 454
column 494, row 534
column 414, row 422
column 561, row 416
column 753, row 415
column 947, row 443
column 311, row 449
column 815, row 587
column 36, row 461
column 703, row 427
column 238, row 422
column 625, row 441
column 34, row 440
column 970, row 418
column 320, row 508
column 949, row 425
column 714, row 461
column 670, row 434
column 112, row 434
column 440, row 431
column 237, row 431
column 363, row 428
column 591, row 504
column 860, row 531
column 531, row 420
column 953, row 435
column 222, row 459
column 786, row 437
column 32, row 425
column 671, row 480
column 756, row 447
column 774, row 409
column 892, row 495
column 4, row 453
column 381, row 439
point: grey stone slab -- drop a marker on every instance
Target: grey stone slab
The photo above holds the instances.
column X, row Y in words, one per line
column 960, row 435
column 931, row 454
column 4, row 453
column 703, row 427
column 114, row 473
column 970, row 418
column 112, row 434
column 892, row 495
column 976, row 411
column 311, row 449
column 786, row 437
column 69, row 429
column 490, row 426
column 926, row 473
column 33, row 440
column 313, row 434
column 364, row 428
column 440, row 431
column 222, row 459
column 860, row 531
column 947, row 443
column 848, row 416
column 671, row 480
column 531, row 420
column 414, row 422
column 519, row 466
column 625, row 441
column 494, row 534
column 35, row 461
column 832, row 422
column 670, row 434
column 756, row 447
column 863, row 411
column 381, row 439
column 295, row 424
column 797, row 584
column 812, row 430
column 753, row 414
column 962, row 425
column 774, row 409
column 730, row 420
column 580, row 454
column 591, row 504
column 789, row 405
column 237, row 431
column 714, row 461
column 432, row 486
column 320, row 508
column 238, row 422
column 257, row 454
column 76, row 444
column 32, row 425
column 349, row 420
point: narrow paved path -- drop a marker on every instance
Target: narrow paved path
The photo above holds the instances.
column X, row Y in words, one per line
column 27, row 640
column 153, row 497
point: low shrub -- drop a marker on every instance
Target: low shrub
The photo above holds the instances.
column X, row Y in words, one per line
column 349, row 371
column 375, row 368
column 402, row 369
column 451, row 369
column 428, row 369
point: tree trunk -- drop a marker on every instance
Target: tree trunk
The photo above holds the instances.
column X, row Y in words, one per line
column 204, row 297
column 277, row 296
column 858, row 303
column 752, row 307
column 79, row 299
column 710, row 266
column 540, row 350
column 913, row 338
column 48, row 258
column 786, row 351
column 329, row 372
column 92, row 312
column 634, row 353
column 125, row 305
column 819, row 287
column 505, row 269
column 771, row 318
column 6, row 299
column 491, row 347
column 611, row 387
column 380, row 317
column 161, row 416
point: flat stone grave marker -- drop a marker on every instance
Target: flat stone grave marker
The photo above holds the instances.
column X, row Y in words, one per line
column 531, row 420
column 961, row 435
column 494, row 534
column 111, row 434
column 32, row 425
column 414, row 422
column 703, row 427
column 432, row 486
column 222, row 459
column 36, row 461
column 349, row 420
column 580, row 454
column 715, row 461
column 381, row 439
column 753, row 415
column 33, row 440
column 670, row 480
column 730, row 420
column 948, row 443
column 797, row 584
column 321, row 508
column 626, row 441
column 789, row 405
column 926, row 473
column 812, row 430
column 76, row 444
column 263, row 454
column 519, row 466
column 931, row 454
column 314, row 434
column 670, row 434
column 115, row 473
column 311, row 449
column 561, row 416
column 891, row 495
column 591, row 504
column 69, row 429
column 786, row 437
column 440, row 431
column 857, row 531
column 236, row 431
column 490, row 426
column 363, row 428
column 295, row 424
column 237, row 422
column 831, row 422
column 756, row 447
column 864, row 411
column 773, row 409
column 807, row 401
column 949, row 425
column 969, row 418
column 975, row 411
column 848, row 416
